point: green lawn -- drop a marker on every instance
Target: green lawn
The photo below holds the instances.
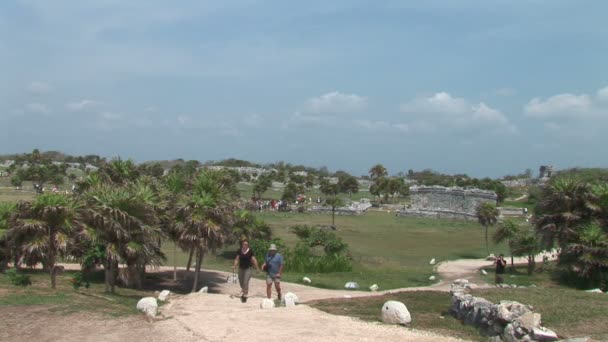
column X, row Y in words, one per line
column 64, row 299
column 428, row 310
column 390, row 251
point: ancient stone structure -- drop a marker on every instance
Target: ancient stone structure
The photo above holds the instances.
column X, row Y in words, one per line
column 546, row 171
column 442, row 202
column 506, row 321
column 355, row 208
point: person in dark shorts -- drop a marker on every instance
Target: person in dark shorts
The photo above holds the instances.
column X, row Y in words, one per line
column 273, row 265
column 245, row 260
column 501, row 263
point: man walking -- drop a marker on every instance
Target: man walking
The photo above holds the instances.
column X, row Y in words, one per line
column 273, row 265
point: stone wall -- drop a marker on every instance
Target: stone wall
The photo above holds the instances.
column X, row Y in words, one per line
column 355, row 208
column 442, row 202
column 507, row 321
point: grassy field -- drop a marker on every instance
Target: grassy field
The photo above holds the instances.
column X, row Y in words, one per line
column 569, row 312
column 390, row 251
column 428, row 310
column 65, row 299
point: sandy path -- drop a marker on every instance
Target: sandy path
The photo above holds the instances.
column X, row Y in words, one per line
column 219, row 316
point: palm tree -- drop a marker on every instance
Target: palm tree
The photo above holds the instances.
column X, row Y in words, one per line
column 6, row 210
column 377, row 171
column 564, row 204
column 591, row 252
column 122, row 219
column 203, row 217
column 487, row 215
column 248, row 226
column 43, row 227
column 174, row 185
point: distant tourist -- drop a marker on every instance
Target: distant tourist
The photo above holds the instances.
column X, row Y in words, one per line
column 273, row 265
column 500, row 269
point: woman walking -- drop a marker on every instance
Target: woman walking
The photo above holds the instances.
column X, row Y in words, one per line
column 245, row 259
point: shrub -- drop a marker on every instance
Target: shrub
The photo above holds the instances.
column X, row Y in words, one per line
column 79, row 280
column 18, row 279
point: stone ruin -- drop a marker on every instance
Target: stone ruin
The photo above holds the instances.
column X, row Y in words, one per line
column 354, row 208
column 546, row 171
column 444, row 202
column 507, row 321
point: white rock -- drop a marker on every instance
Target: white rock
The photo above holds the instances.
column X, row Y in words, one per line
column 484, row 272
column 374, row 288
column 432, row 262
column 290, row 299
column 432, row 278
column 491, row 257
column 163, row 295
column 148, row 305
column 594, row 291
column 471, row 286
column 306, row 280
column 394, row 312
column 205, row 289
column 543, row 334
column 347, row 296
column 267, row 304
column 351, row 285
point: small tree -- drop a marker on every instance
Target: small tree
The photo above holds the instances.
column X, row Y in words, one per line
column 507, row 232
column 526, row 244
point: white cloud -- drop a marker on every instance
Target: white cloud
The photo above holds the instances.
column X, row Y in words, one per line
column 569, row 106
column 442, row 109
column 563, row 105
column 38, row 88
column 336, row 102
column 37, row 108
column 83, row 105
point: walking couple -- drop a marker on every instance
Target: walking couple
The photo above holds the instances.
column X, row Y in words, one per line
column 273, row 266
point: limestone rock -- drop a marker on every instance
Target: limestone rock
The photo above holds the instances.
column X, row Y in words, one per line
column 148, row 305
column 351, row 285
column 543, row 334
column 529, row 321
column 432, row 262
column 267, row 304
column 394, row 312
column 374, row 288
column 491, row 257
column 432, row 278
column 290, row 299
column 484, row 272
column 306, row 280
column 163, row 295
column 594, row 291
column 347, row 296
column 204, row 289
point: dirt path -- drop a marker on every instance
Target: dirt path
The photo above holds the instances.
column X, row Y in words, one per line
column 220, row 316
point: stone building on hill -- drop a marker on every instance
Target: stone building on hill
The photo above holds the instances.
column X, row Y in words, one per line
column 444, row 202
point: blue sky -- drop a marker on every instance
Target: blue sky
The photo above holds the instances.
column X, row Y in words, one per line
column 486, row 88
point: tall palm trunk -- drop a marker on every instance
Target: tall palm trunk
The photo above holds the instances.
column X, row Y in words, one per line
column 189, row 259
column 108, row 271
column 333, row 215
column 487, row 248
column 197, row 268
column 51, row 263
column 174, row 262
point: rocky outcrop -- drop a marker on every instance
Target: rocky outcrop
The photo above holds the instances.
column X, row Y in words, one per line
column 507, row 321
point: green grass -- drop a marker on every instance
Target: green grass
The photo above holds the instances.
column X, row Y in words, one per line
column 428, row 310
column 569, row 312
column 518, row 204
column 390, row 251
column 64, row 299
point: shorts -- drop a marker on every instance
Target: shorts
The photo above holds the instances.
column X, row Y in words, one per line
column 270, row 279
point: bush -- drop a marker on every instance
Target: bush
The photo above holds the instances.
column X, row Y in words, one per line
column 18, row 279
column 79, row 280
